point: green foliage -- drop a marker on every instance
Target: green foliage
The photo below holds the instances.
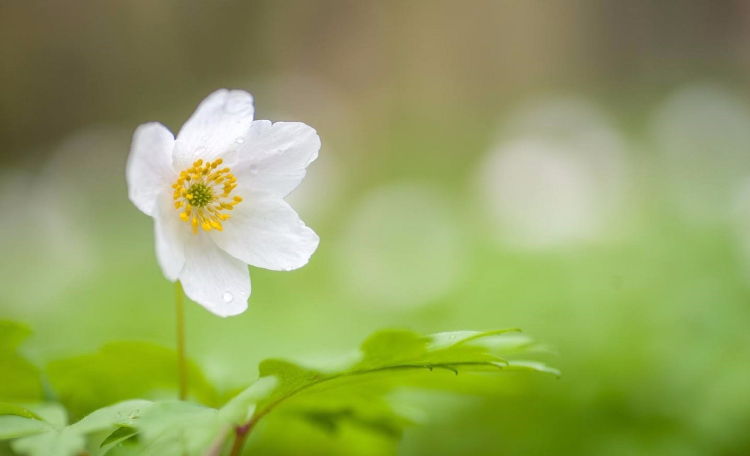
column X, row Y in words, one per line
column 10, row 409
column 35, row 437
column 355, row 395
column 14, row 426
column 174, row 428
column 390, row 359
column 121, row 371
column 20, row 379
column 12, row 334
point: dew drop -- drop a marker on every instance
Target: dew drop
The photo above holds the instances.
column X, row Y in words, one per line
column 228, row 296
column 253, row 169
column 200, row 150
column 240, row 140
column 204, row 138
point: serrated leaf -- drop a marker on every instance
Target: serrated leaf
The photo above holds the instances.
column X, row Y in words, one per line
column 389, row 359
column 182, row 428
column 120, row 371
column 357, row 395
column 39, row 438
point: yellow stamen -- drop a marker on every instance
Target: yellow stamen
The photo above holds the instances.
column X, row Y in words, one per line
column 202, row 195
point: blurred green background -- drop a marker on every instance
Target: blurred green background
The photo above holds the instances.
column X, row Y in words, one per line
column 576, row 168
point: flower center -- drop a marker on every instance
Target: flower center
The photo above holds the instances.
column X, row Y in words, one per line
column 202, row 195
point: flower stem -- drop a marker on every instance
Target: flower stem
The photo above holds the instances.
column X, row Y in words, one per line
column 181, row 361
column 240, row 436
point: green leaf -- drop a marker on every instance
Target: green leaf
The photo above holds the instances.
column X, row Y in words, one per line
column 53, row 443
column 121, row 414
column 240, row 408
column 9, row 409
column 389, row 360
column 331, row 421
column 14, row 426
column 39, row 438
column 12, row 334
column 534, row 366
column 174, row 428
column 119, row 435
column 21, row 380
column 181, row 428
column 120, row 371
column 291, row 377
column 163, row 428
column 391, row 347
column 357, row 395
column 51, row 412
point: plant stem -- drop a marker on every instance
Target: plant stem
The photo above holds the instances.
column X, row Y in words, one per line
column 181, row 360
column 241, row 434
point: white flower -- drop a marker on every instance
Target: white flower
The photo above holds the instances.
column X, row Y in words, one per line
column 216, row 193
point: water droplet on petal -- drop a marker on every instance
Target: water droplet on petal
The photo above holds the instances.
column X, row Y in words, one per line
column 253, row 169
column 228, row 296
column 240, row 140
column 200, row 150
column 204, row 138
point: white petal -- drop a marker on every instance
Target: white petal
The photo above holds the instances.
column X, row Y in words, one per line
column 264, row 231
column 213, row 278
column 274, row 156
column 171, row 233
column 217, row 127
column 149, row 169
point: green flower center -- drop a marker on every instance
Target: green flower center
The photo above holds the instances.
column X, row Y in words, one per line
column 202, row 194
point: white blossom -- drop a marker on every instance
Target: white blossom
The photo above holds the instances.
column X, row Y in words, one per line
column 216, row 193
